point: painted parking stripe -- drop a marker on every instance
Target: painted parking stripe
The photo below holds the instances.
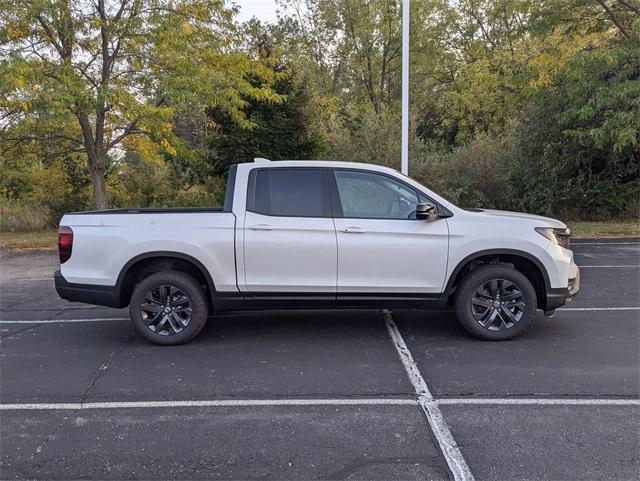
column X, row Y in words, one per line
column 315, row 402
column 64, row 321
column 449, row 447
column 539, row 401
column 633, row 266
column 208, row 403
column 598, row 309
column 577, row 244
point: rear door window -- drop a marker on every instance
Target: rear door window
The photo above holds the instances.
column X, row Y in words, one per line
column 283, row 192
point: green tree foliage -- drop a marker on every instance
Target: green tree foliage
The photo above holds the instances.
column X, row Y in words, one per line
column 279, row 130
column 515, row 104
column 89, row 75
column 583, row 133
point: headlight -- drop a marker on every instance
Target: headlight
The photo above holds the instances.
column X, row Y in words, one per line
column 556, row 235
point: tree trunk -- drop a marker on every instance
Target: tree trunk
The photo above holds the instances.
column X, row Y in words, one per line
column 95, row 157
column 99, row 186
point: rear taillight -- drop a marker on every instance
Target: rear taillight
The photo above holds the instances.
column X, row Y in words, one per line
column 65, row 243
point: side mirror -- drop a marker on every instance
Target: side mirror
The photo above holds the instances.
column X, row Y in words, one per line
column 426, row 211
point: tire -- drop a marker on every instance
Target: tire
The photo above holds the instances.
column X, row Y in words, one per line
column 169, row 308
column 500, row 289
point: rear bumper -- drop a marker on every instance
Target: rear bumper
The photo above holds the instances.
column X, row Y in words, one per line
column 88, row 293
column 559, row 297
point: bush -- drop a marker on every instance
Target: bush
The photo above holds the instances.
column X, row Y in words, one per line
column 23, row 217
column 209, row 194
column 374, row 138
column 41, row 191
column 141, row 183
column 474, row 175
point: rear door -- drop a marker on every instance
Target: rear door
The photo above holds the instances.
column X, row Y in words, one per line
column 290, row 242
column 382, row 248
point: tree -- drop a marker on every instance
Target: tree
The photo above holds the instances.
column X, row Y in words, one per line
column 579, row 145
column 91, row 74
column 281, row 130
column 355, row 44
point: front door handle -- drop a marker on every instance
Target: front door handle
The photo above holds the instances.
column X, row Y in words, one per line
column 261, row 227
column 353, row 230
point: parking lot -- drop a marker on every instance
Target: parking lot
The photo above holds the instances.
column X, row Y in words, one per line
column 322, row 395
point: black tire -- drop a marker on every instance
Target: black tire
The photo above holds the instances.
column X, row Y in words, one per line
column 168, row 290
column 486, row 315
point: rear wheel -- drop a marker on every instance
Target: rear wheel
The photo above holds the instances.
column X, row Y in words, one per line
column 495, row 302
column 169, row 308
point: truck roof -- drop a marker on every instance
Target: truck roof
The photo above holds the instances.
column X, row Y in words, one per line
column 321, row 163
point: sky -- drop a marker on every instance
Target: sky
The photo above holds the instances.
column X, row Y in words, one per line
column 263, row 10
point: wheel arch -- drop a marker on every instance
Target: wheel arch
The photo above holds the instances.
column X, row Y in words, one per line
column 522, row 261
column 147, row 263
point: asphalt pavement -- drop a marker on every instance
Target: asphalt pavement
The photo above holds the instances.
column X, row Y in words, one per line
column 367, row 395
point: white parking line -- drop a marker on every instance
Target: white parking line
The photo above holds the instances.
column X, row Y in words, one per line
column 316, row 402
column 575, row 244
column 208, row 403
column 63, row 321
column 612, row 267
column 540, row 401
column 598, row 309
column 448, row 445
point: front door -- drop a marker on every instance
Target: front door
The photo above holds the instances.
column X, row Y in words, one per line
column 382, row 248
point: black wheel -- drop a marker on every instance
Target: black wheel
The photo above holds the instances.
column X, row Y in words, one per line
column 495, row 302
column 169, row 308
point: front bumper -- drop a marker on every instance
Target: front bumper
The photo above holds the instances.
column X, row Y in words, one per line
column 88, row 293
column 559, row 297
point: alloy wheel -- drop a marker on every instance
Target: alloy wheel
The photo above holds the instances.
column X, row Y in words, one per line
column 498, row 304
column 166, row 310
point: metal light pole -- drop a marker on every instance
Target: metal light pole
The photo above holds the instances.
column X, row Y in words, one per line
column 404, row 164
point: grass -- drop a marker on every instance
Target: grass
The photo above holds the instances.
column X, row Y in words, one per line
column 47, row 239
column 616, row 228
column 42, row 240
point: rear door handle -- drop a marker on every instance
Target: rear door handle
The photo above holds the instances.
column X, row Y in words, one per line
column 261, row 227
column 353, row 230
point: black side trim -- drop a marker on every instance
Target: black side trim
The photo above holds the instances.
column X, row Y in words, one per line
column 489, row 252
column 324, row 300
column 89, row 293
column 292, row 300
column 391, row 300
column 229, row 301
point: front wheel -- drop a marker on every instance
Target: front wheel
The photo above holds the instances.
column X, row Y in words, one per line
column 495, row 303
column 169, row 308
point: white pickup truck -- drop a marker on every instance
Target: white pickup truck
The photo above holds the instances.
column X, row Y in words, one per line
column 317, row 234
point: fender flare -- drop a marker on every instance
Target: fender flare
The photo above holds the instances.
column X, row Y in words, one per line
column 489, row 252
column 171, row 254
